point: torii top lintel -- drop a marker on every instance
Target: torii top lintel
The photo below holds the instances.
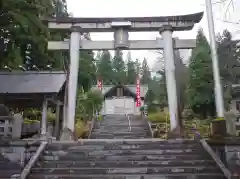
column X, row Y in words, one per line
column 177, row 23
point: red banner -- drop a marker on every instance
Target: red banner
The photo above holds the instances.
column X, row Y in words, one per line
column 99, row 84
column 138, row 101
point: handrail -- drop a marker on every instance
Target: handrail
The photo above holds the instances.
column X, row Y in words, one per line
column 92, row 126
column 215, row 157
column 149, row 125
column 33, row 160
column 150, row 128
column 5, row 118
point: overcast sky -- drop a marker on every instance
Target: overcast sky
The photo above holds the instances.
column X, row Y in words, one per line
column 134, row 8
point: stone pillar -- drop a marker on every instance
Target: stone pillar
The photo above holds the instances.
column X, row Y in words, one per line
column 169, row 64
column 180, row 88
column 72, row 81
column 17, row 126
column 231, row 123
column 44, row 118
column 65, row 109
column 57, row 121
column 61, row 120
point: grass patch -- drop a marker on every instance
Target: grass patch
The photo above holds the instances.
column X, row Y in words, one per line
column 159, row 117
column 161, row 124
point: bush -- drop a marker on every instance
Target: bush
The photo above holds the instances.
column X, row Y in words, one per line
column 33, row 114
column 201, row 125
column 160, row 117
column 29, row 121
column 81, row 129
column 51, row 116
column 100, row 117
column 152, row 108
column 188, row 114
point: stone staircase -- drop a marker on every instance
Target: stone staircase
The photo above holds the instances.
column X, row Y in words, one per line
column 128, row 153
column 126, row 159
column 8, row 168
column 120, row 127
column 13, row 157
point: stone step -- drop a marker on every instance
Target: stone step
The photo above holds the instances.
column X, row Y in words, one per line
column 125, row 152
column 127, row 130
column 127, row 142
column 127, row 123
column 159, row 176
column 116, row 137
column 120, row 132
column 7, row 174
column 132, row 170
column 9, row 166
column 116, row 125
column 113, row 146
column 10, row 157
column 76, row 157
column 118, row 164
column 109, row 128
column 119, row 136
column 101, row 134
column 121, row 121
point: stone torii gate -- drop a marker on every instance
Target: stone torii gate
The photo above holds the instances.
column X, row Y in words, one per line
column 121, row 27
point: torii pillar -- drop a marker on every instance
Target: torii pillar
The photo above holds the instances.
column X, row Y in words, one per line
column 169, row 64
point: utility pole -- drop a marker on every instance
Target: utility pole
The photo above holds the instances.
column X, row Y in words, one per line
column 216, row 74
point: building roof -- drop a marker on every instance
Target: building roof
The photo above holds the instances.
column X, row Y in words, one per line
column 31, row 82
column 132, row 88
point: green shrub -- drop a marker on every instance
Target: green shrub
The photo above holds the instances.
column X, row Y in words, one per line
column 51, row 116
column 29, row 121
column 152, row 108
column 100, row 117
column 81, row 129
column 188, row 114
column 220, row 119
column 160, row 117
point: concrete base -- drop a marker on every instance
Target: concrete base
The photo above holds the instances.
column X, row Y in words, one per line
column 177, row 133
column 67, row 134
column 218, row 129
column 43, row 137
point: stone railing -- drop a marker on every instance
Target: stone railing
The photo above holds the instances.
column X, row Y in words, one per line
column 228, row 150
column 32, row 161
column 6, row 125
column 148, row 123
column 228, row 174
column 17, row 153
column 93, row 122
column 11, row 126
column 231, row 123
